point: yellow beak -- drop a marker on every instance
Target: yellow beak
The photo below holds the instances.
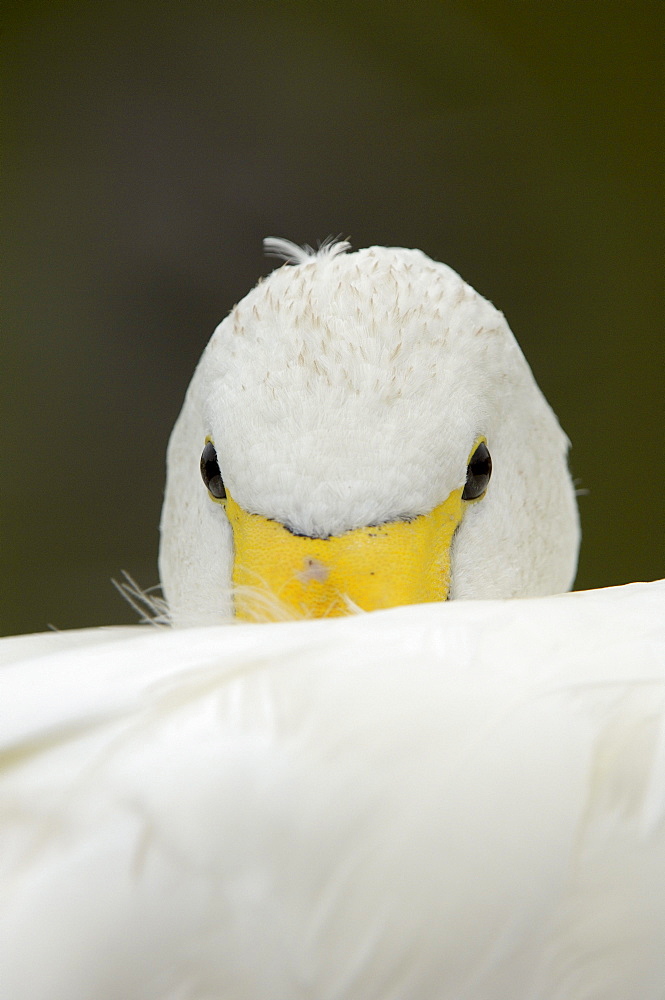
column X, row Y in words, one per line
column 277, row 574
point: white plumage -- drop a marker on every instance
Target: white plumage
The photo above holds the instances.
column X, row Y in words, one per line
column 405, row 804
column 460, row 800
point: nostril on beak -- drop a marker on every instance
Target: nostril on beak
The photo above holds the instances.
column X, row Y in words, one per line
column 313, row 569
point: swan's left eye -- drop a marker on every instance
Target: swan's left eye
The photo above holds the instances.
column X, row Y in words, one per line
column 478, row 473
column 210, row 473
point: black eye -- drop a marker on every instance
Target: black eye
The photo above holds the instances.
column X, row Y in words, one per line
column 210, row 473
column 478, row 473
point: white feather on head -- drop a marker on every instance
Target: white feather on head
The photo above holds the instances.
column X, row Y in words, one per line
column 292, row 253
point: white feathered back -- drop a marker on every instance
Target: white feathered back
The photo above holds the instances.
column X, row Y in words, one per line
column 463, row 800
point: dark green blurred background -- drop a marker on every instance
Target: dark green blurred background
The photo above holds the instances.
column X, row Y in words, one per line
column 150, row 146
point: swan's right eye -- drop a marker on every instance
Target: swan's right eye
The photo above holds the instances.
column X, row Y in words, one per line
column 478, row 472
column 210, row 473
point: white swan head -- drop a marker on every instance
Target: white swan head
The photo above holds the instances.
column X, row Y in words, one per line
column 349, row 404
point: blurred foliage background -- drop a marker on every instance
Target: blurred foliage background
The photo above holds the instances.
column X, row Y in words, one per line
column 150, row 146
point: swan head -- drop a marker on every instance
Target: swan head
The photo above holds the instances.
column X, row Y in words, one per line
column 362, row 431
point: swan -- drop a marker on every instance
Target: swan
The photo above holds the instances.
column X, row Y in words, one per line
column 429, row 771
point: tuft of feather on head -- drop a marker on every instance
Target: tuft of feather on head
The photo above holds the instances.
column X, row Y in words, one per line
column 291, row 253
